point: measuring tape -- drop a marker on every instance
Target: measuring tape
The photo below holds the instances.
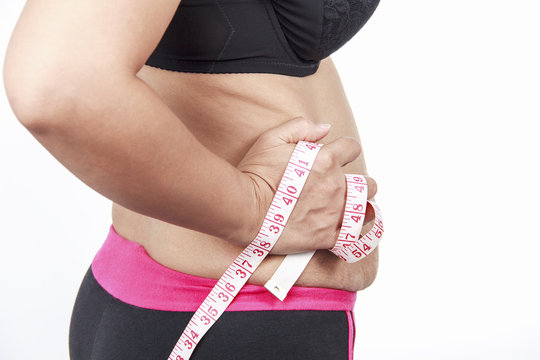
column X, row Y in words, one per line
column 351, row 246
column 285, row 198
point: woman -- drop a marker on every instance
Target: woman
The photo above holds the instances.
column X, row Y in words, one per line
column 189, row 140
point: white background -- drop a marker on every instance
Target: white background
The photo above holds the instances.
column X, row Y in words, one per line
column 446, row 96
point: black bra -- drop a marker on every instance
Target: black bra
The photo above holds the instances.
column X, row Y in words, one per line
column 287, row 37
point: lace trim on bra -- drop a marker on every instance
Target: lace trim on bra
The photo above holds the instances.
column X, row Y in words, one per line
column 342, row 19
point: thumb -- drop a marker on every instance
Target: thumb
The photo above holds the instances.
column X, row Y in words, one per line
column 297, row 129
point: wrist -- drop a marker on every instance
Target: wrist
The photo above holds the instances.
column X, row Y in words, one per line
column 250, row 214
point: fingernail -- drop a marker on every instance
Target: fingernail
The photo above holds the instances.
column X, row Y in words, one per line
column 324, row 126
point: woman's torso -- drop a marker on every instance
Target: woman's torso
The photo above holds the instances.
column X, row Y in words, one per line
column 227, row 113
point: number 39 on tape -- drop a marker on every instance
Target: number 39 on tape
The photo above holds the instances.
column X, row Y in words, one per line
column 238, row 273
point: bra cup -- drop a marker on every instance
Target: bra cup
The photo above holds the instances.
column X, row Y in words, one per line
column 288, row 37
column 315, row 29
column 301, row 22
column 342, row 19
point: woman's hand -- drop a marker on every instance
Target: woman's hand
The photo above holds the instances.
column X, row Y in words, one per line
column 317, row 216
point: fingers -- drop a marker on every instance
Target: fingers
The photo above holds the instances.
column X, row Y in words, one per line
column 340, row 151
column 372, row 187
column 296, row 130
column 368, row 222
column 337, row 153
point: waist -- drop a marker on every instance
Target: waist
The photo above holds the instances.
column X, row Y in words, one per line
column 128, row 273
column 227, row 113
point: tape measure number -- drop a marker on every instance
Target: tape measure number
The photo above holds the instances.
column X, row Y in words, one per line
column 238, row 273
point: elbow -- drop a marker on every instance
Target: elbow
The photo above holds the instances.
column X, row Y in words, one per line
column 44, row 83
column 32, row 110
column 40, row 101
column 54, row 92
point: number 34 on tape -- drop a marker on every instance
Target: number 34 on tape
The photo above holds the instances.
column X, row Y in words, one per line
column 238, row 273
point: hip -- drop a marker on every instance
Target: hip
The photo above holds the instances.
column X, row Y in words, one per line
column 104, row 327
column 199, row 254
column 130, row 306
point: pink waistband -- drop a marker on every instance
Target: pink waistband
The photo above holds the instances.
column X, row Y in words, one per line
column 126, row 271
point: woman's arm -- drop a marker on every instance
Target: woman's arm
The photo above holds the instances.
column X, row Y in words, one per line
column 70, row 75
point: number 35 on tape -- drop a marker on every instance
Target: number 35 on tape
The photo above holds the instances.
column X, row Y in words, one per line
column 238, row 273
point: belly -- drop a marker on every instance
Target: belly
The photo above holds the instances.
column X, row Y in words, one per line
column 227, row 113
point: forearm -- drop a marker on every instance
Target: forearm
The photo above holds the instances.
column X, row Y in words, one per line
column 118, row 137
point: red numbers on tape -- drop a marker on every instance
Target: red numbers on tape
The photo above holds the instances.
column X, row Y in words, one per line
column 240, row 273
column 350, row 246
column 241, row 269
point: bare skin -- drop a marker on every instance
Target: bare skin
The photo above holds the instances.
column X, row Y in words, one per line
column 220, row 111
column 155, row 141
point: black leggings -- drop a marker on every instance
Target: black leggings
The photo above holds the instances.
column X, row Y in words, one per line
column 105, row 328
